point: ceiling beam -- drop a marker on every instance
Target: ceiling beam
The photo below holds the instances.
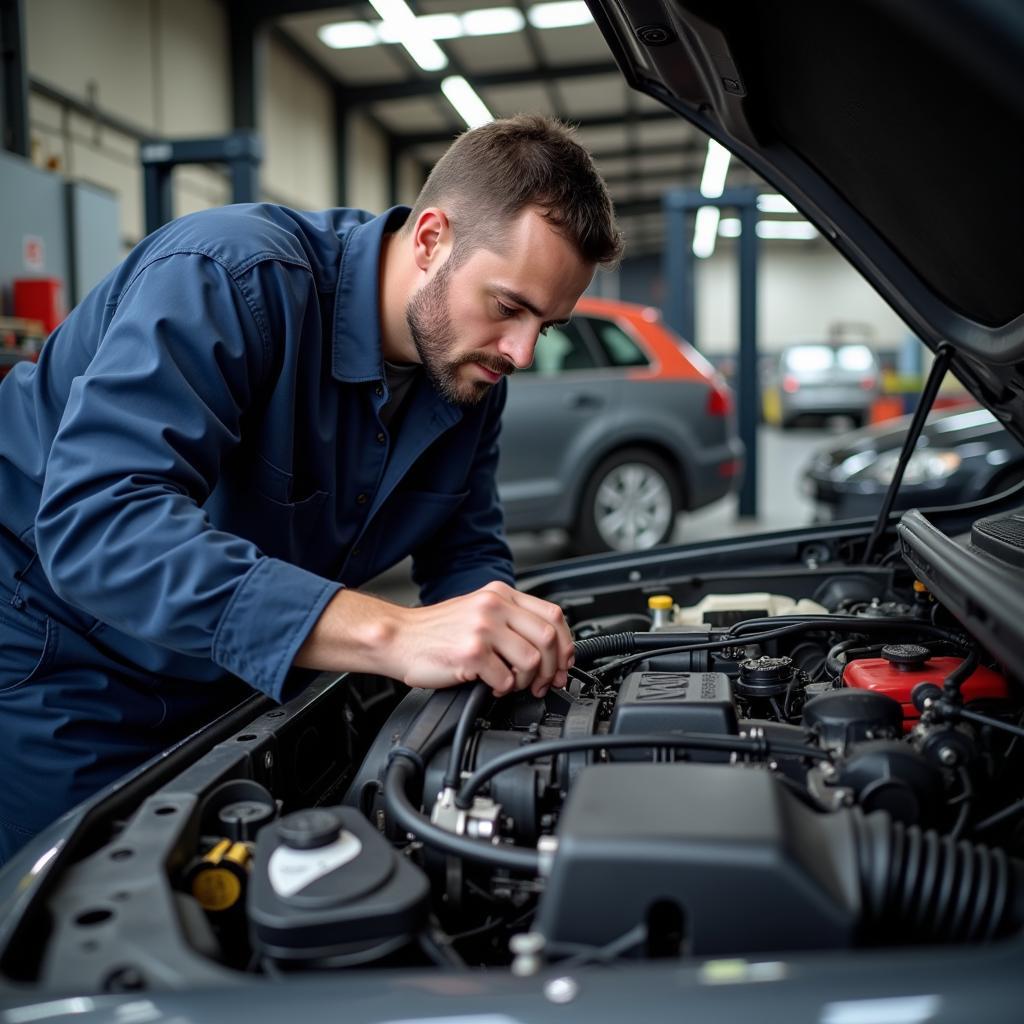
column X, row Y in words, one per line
column 687, row 148
column 430, row 86
column 668, row 177
column 281, row 8
column 602, row 121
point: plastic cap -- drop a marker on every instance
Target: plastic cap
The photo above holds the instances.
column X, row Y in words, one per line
column 659, row 602
column 919, row 587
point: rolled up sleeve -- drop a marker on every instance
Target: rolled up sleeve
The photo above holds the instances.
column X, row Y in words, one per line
column 121, row 530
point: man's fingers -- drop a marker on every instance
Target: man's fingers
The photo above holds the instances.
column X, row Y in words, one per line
column 550, row 613
column 543, row 637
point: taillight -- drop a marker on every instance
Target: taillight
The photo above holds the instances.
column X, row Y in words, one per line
column 790, row 384
column 719, row 400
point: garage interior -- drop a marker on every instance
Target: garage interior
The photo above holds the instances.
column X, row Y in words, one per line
column 120, row 114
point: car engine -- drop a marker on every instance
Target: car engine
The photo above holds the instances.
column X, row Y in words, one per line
column 833, row 762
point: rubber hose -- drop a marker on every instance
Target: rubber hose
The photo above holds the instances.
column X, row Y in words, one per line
column 467, row 720
column 608, row 646
column 921, row 885
column 401, row 811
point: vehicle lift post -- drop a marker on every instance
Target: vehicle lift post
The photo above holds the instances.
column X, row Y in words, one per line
column 680, row 286
column 241, row 151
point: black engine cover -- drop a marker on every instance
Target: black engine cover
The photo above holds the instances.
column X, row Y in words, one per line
column 728, row 859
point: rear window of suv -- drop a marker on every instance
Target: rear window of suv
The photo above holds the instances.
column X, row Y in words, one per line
column 617, row 346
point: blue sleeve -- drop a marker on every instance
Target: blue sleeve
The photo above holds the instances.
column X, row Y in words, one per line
column 470, row 551
column 121, row 531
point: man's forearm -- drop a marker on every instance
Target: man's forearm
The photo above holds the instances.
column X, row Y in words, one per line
column 355, row 633
column 508, row 640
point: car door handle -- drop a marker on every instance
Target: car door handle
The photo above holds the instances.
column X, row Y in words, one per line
column 584, row 400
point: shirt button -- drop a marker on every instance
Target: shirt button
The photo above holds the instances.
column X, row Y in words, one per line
column 379, row 391
column 356, row 552
column 381, row 438
column 361, row 499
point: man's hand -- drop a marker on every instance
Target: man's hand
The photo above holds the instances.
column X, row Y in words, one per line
column 508, row 640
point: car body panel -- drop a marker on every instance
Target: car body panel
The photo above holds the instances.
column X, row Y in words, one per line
column 990, row 459
column 561, row 421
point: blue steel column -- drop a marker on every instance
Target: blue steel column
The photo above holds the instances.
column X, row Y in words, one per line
column 14, row 79
column 748, row 397
column 677, row 266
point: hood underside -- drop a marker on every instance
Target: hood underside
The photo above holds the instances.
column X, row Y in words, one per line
column 895, row 126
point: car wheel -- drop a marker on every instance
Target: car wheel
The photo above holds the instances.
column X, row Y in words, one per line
column 630, row 503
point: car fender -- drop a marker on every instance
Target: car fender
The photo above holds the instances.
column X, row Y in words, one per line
column 657, row 430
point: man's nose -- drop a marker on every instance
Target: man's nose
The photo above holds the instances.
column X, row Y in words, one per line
column 518, row 346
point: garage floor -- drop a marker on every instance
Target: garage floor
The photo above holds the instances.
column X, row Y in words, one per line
column 781, row 504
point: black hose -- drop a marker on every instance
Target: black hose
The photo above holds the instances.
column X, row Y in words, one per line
column 692, row 741
column 606, row 646
column 952, row 683
column 847, row 624
column 795, row 624
column 925, row 886
column 467, row 720
column 401, row 811
column 833, row 666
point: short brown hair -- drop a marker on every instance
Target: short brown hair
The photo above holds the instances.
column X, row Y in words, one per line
column 489, row 175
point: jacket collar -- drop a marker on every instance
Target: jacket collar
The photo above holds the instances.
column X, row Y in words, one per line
column 356, row 355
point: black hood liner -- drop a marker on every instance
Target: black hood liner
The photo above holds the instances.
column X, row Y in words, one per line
column 896, row 126
column 925, row 149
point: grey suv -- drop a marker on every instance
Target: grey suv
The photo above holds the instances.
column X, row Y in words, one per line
column 618, row 426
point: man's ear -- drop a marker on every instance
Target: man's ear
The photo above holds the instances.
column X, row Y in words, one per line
column 431, row 237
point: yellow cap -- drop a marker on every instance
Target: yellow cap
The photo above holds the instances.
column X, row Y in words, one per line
column 919, row 587
column 659, row 602
column 216, row 888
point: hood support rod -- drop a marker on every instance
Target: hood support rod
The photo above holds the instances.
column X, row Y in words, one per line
column 943, row 357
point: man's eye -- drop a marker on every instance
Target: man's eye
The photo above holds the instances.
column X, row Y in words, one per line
column 506, row 310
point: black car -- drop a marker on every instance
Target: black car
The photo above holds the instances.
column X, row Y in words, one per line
column 786, row 782
column 962, row 455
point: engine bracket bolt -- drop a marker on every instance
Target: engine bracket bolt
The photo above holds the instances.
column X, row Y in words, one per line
column 948, row 756
column 561, row 990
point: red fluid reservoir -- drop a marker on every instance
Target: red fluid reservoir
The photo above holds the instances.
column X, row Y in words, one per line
column 904, row 666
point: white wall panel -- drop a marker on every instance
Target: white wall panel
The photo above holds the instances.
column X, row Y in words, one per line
column 298, row 128
column 193, row 76
column 102, row 48
column 802, row 290
column 366, row 175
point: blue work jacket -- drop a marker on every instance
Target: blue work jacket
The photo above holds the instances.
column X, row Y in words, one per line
column 198, row 460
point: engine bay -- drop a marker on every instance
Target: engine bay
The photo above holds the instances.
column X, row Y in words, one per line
column 811, row 756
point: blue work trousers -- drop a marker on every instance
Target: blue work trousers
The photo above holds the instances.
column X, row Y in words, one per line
column 74, row 717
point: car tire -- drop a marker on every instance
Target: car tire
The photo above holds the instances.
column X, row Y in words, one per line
column 630, row 503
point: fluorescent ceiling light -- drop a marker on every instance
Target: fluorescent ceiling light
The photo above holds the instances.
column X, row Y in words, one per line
column 467, row 104
column 560, row 14
column 493, row 21
column 797, row 229
column 421, row 47
column 419, row 34
column 433, row 26
column 773, row 203
column 705, row 230
column 729, row 227
column 716, row 166
column 345, row 35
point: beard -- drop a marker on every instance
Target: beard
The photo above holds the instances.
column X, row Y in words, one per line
column 428, row 315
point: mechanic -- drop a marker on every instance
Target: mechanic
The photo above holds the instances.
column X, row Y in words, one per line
column 256, row 412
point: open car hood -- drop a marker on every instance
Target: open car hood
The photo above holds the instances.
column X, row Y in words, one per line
column 895, row 126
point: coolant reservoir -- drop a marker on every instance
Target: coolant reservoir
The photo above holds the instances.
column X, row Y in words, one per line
column 904, row 666
column 660, row 607
column 728, row 609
